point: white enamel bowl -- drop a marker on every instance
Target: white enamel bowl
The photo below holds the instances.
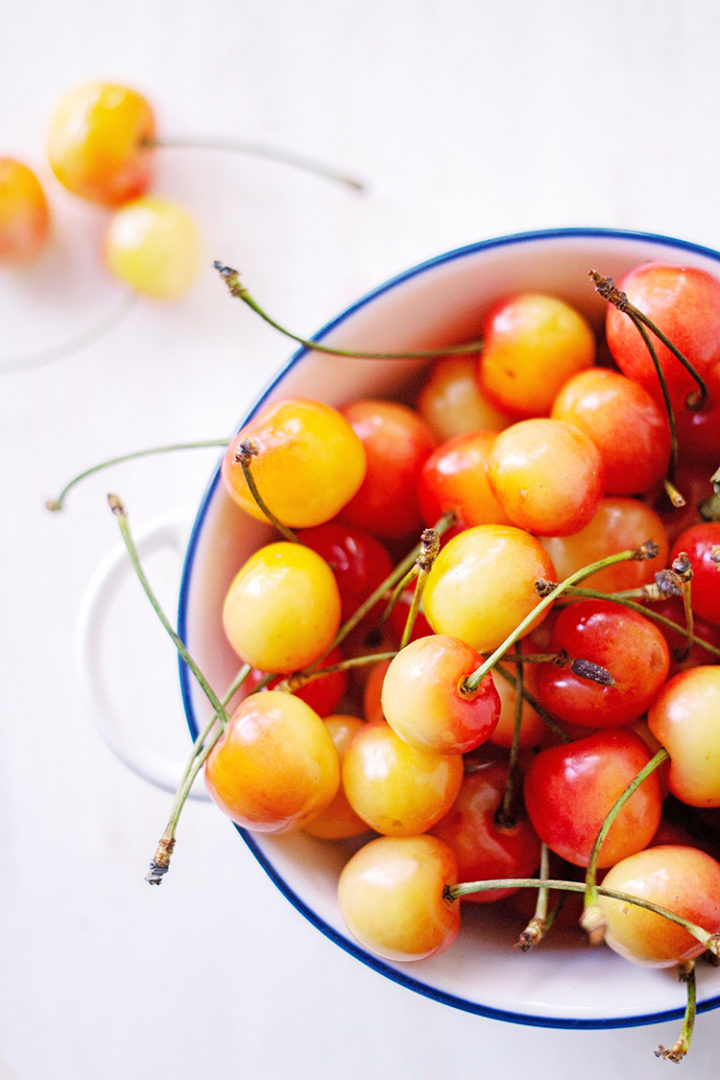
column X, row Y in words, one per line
column 563, row 983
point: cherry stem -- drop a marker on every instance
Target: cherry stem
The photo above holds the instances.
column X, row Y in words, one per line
column 709, row 941
column 57, row 504
column 648, row 550
column 72, row 345
column 682, row 569
column 506, row 815
column 244, row 454
column 255, row 149
column 546, row 718
column 538, row 926
column 686, row 973
column 429, row 548
column 655, row 616
column 236, row 289
column 585, row 669
column 301, row 678
column 591, row 873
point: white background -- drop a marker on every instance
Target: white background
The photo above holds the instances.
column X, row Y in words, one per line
column 468, row 120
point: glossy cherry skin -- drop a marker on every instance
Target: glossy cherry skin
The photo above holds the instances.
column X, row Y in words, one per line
column 275, row 767
column 532, row 345
column 482, row 848
column 309, row 462
column 454, row 477
column 359, row 561
column 323, row 694
column 623, row 642
column 682, row 879
column 698, row 431
column 569, row 790
column 685, row 718
column 397, row 441
column 423, row 701
column 628, row 426
column 700, row 542
column 396, row 788
column 547, row 475
column 684, row 302
column 24, row 214
column 95, row 143
column 392, row 896
column 482, row 584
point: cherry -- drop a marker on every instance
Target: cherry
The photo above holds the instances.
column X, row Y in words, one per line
column 282, row 610
column 396, row 788
column 338, row 820
column 397, row 442
column 96, row 143
column 625, row 422
column 393, row 897
column 322, row 694
column 423, row 700
column 570, row 789
column 685, row 718
column 532, row 345
column 702, row 545
column 307, row 460
column 275, row 766
column 24, row 214
column 399, row 616
column 698, row 430
column 451, row 400
column 625, row 643
column 680, row 878
column 153, row 245
column 683, row 302
column 359, row 561
column 547, row 476
column 454, row 477
column 482, row 584
column 483, row 849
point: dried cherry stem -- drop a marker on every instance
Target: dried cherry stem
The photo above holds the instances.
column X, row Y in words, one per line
column 545, row 716
column 549, row 592
column 236, row 289
column 429, row 548
column 585, row 669
column 540, row 923
column 75, row 344
column 682, row 569
column 710, row 942
column 255, row 149
column 591, row 890
column 58, row 503
column 506, row 815
column 623, row 598
column 245, row 452
column 686, row 973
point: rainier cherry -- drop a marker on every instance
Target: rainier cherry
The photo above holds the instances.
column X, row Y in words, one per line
column 338, row 820
column 685, row 718
column 454, row 477
column 154, row 246
column 451, row 400
column 24, row 214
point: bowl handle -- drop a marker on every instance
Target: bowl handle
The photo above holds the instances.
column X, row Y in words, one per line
column 95, row 613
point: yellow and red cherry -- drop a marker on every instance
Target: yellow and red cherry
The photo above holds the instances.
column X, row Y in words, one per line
column 338, row 821
column 424, row 702
column 569, row 790
column 701, row 543
column 282, row 610
column 628, row 426
column 685, row 719
column 532, row 345
column 395, row 788
column 24, row 214
column 397, row 442
column 547, row 476
column 392, row 895
column 482, row 584
column 451, row 400
column 96, row 143
column 483, row 849
column 308, row 462
column 628, row 645
column 454, row 478
column 154, row 246
column 684, row 303
column 681, row 879
column 533, row 729
column 275, row 767
column 620, row 524
column 359, row 561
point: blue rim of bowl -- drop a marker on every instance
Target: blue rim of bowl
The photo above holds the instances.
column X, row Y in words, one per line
column 344, row 943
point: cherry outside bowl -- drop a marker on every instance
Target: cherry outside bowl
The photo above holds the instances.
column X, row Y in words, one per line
column 440, row 302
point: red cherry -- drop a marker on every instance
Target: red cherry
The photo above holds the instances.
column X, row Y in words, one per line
column 323, row 694
column 359, row 561
column 702, row 544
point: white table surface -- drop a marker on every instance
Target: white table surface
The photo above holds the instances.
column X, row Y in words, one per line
column 468, row 120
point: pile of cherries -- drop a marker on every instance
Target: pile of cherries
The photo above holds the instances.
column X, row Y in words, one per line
column 533, row 688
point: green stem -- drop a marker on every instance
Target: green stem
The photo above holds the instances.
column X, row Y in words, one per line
column 682, row 1044
column 236, row 289
column 538, row 926
column 256, row 149
column 429, row 547
column 57, row 504
column 647, row 551
column 302, row 678
column 507, row 813
column 545, row 716
column 591, row 873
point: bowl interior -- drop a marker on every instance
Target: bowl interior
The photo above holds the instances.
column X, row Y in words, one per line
column 563, row 983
